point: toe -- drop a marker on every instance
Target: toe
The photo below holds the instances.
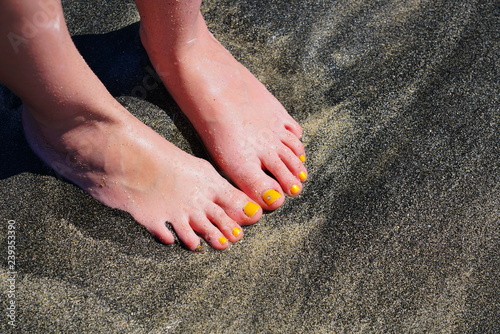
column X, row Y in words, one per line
column 185, row 233
column 260, row 187
column 162, row 234
column 288, row 181
column 209, row 232
column 273, row 198
column 294, row 144
column 228, row 227
column 239, row 207
column 295, row 156
column 294, row 164
column 294, row 128
column 156, row 226
column 270, row 197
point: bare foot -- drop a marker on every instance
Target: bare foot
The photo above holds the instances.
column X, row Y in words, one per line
column 245, row 129
column 74, row 124
column 124, row 164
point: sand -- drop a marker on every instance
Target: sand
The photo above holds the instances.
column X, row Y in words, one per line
column 397, row 229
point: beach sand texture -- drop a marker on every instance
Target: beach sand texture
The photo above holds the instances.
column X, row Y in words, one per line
column 397, row 229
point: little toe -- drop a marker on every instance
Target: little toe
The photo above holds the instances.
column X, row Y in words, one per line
column 294, row 128
column 294, row 164
column 182, row 229
column 186, row 234
column 161, row 233
column 294, row 144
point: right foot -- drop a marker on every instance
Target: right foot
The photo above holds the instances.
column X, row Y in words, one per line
column 248, row 133
column 124, row 164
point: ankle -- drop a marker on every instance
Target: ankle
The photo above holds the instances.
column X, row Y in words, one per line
column 54, row 130
column 67, row 115
column 172, row 46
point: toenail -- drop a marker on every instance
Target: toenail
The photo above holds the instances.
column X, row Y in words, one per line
column 294, row 189
column 302, row 176
column 222, row 240
column 271, row 196
column 199, row 249
column 302, row 158
column 251, row 209
column 236, row 231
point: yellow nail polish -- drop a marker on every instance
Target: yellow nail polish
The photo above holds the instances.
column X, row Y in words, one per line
column 222, row 240
column 302, row 176
column 236, row 231
column 251, row 209
column 271, row 196
column 302, row 158
column 294, row 189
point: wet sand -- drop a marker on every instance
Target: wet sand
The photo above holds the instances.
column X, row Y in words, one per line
column 397, row 229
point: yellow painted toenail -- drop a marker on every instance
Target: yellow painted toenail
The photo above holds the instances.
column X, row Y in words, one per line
column 271, row 196
column 302, row 158
column 294, row 189
column 302, row 176
column 222, row 240
column 251, row 209
column 236, row 231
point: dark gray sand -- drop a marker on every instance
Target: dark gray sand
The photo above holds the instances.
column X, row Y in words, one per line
column 397, row 229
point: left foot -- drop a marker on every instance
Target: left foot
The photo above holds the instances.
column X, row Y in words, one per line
column 245, row 129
